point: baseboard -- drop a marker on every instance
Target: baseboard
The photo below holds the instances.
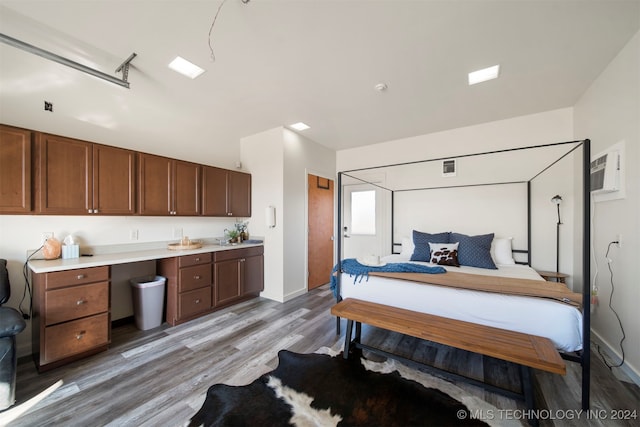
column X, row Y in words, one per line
column 292, row 295
column 123, row 321
column 612, row 354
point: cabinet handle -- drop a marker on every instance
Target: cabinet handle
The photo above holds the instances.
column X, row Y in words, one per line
column 196, row 277
column 197, row 301
column 95, row 211
column 80, row 276
column 80, row 335
column 80, row 302
column 229, row 213
column 197, row 259
column 242, row 259
column 90, row 210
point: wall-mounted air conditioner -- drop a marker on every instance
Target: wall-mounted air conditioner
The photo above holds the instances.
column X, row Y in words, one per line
column 605, row 173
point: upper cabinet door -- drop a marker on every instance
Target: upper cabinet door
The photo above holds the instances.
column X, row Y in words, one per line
column 239, row 194
column 226, row 193
column 15, row 170
column 186, row 188
column 154, row 185
column 64, row 176
column 214, row 191
column 114, row 181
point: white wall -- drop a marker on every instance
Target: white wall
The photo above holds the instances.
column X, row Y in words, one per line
column 263, row 155
column 279, row 160
column 607, row 113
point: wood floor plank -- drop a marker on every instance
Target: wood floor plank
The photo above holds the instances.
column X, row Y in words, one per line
column 161, row 376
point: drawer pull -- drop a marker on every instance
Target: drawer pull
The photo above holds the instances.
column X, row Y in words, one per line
column 80, row 302
column 198, row 301
column 196, row 277
column 197, row 259
column 80, row 335
column 80, row 276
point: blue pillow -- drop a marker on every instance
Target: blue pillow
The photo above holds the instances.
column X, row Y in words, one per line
column 421, row 240
column 474, row 251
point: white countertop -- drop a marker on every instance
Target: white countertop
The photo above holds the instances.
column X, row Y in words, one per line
column 126, row 256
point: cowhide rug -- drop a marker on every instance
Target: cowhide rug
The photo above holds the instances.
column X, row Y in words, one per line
column 326, row 390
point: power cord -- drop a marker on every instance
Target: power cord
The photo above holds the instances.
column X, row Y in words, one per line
column 609, row 261
column 27, row 287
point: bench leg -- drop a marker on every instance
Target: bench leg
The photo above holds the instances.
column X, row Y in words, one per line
column 358, row 332
column 527, row 391
column 337, row 325
column 347, row 339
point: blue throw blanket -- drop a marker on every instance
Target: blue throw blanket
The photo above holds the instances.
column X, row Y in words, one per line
column 354, row 268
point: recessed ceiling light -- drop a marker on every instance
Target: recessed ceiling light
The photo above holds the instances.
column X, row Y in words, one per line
column 185, row 67
column 299, row 126
column 484, row 75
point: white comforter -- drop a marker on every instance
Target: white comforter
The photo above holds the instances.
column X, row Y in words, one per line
column 562, row 323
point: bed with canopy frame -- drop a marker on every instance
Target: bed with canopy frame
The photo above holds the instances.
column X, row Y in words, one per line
column 413, row 192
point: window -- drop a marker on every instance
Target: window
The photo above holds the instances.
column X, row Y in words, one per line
column 363, row 212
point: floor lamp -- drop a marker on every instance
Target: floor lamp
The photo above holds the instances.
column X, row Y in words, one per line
column 557, row 200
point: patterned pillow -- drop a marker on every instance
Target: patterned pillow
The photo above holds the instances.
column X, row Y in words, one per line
column 422, row 252
column 474, row 251
column 444, row 253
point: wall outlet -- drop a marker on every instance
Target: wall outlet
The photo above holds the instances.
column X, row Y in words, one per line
column 133, row 234
column 46, row 235
column 177, row 233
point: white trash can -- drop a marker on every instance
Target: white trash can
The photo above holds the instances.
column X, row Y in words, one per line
column 148, row 301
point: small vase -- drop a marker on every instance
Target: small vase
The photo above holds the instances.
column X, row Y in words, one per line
column 244, row 235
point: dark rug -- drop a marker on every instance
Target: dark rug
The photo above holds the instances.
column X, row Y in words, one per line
column 328, row 391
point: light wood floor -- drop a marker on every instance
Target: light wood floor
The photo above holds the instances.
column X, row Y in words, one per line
column 160, row 377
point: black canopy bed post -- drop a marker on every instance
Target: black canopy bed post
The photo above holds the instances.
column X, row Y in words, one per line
column 340, row 235
column 529, row 223
column 586, row 273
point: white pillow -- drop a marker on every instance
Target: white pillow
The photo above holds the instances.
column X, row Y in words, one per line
column 501, row 251
column 407, row 247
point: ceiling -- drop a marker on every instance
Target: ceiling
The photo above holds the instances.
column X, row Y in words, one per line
column 317, row 61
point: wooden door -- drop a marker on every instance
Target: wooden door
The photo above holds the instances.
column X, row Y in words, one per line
column 64, row 176
column 320, row 218
column 186, row 188
column 214, row 191
column 114, row 181
column 239, row 196
column 15, row 170
column 154, row 188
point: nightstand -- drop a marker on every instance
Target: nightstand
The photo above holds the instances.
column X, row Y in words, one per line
column 552, row 276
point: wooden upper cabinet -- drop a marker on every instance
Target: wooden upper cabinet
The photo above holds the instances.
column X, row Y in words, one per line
column 186, row 188
column 167, row 186
column 15, row 170
column 79, row 178
column 239, row 194
column 64, row 175
column 114, row 181
column 226, row 193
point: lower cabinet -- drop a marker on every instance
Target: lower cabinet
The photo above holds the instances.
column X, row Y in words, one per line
column 189, row 284
column 238, row 273
column 71, row 315
column 200, row 284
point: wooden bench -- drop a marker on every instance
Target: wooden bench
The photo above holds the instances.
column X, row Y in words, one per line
column 528, row 351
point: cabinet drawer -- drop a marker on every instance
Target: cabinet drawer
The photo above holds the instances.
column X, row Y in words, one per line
column 61, row 279
column 194, row 302
column 76, row 302
column 238, row 253
column 194, row 277
column 188, row 260
column 75, row 337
